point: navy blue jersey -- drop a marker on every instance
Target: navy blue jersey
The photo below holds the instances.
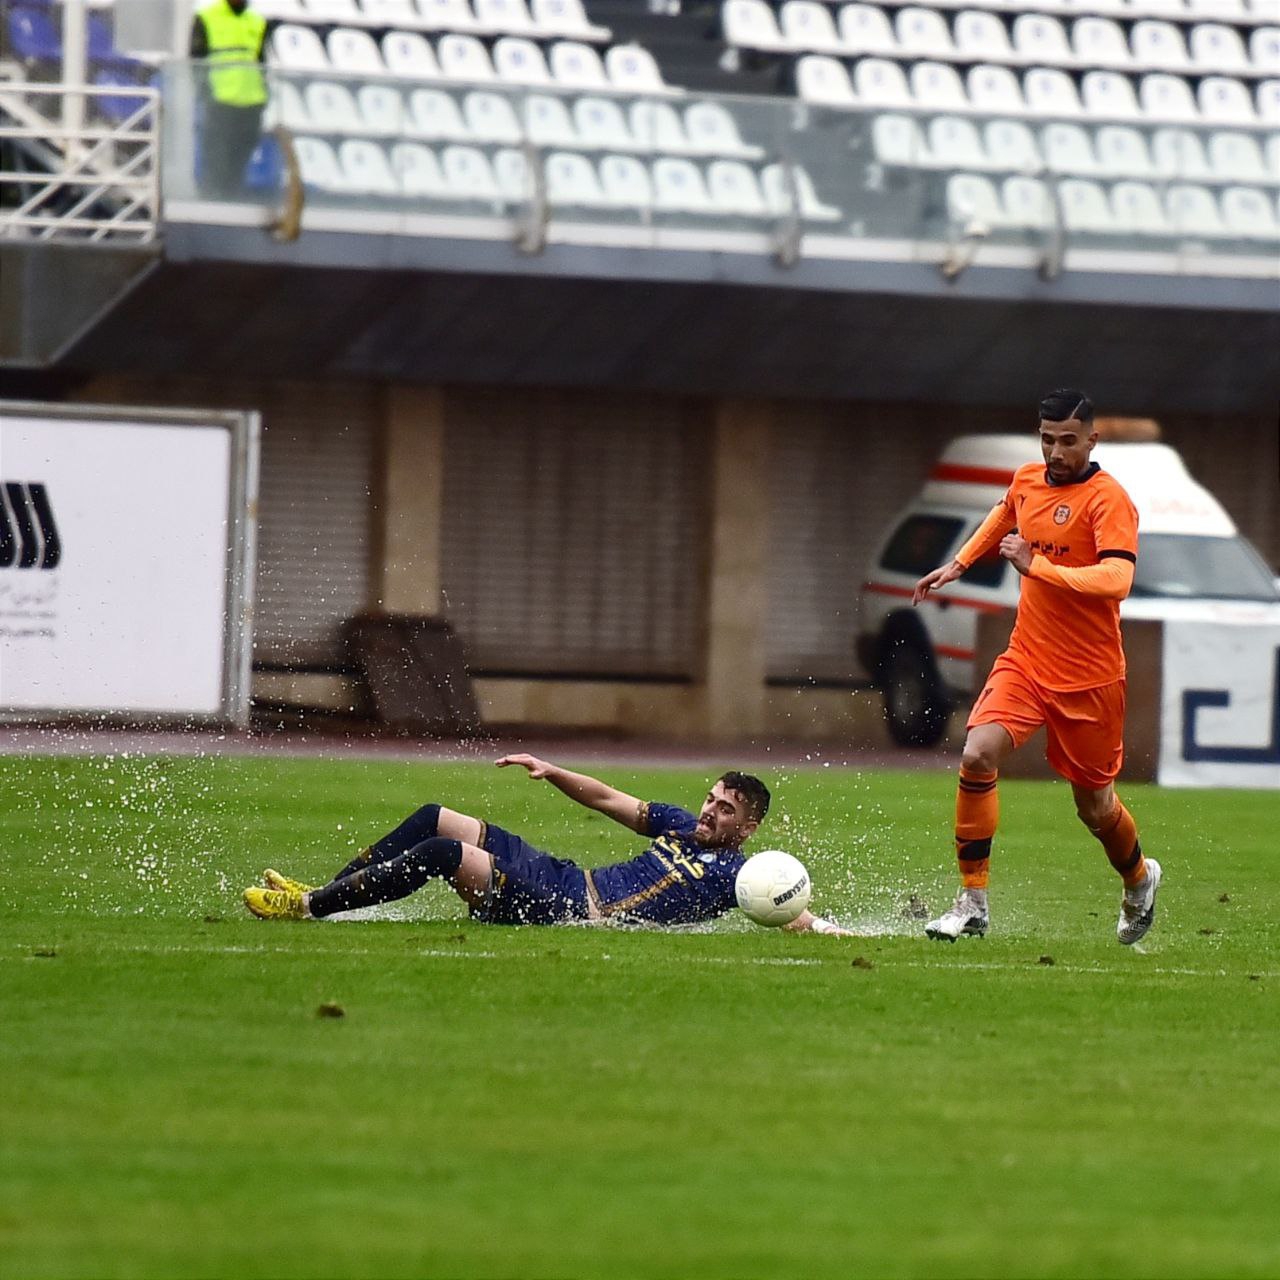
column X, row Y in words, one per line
column 675, row 880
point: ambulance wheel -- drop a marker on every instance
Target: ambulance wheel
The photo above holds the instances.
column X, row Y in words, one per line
column 915, row 704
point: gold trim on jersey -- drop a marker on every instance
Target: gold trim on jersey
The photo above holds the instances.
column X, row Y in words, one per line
column 635, row 899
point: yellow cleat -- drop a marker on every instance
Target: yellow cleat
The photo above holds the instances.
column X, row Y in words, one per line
column 274, row 880
column 275, row 904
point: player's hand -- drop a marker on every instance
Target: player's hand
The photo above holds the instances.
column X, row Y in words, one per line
column 537, row 768
column 1017, row 550
column 938, row 578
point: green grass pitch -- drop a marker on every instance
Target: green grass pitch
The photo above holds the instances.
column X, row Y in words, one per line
column 601, row 1102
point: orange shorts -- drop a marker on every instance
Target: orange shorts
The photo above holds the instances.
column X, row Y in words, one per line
column 1085, row 728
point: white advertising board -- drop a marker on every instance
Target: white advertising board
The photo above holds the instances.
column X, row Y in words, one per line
column 125, row 560
column 1220, row 705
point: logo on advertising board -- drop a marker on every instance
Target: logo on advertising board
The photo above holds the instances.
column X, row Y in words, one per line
column 30, row 548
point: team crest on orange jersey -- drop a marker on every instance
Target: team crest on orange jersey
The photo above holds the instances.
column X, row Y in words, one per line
column 1062, row 514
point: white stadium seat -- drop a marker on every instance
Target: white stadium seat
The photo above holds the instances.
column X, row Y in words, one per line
column 354, row 52
column 626, row 182
column 777, row 181
column 954, row 143
column 491, row 118
column 1237, row 157
column 734, row 190
column 1248, row 213
column 577, row 66
column 331, row 10
column 751, row 24
column 468, row 175
column 1027, row 203
column 1136, row 208
column 1068, row 149
column 881, row 83
column 447, row 15
column 1108, row 95
column 1230, row 10
column 865, row 29
column 295, row 48
column 519, row 61
column 1158, row 46
column 281, row 10
column 387, row 13
column 678, row 187
column 981, row 36
column 1014, row 144
column 463, row 58
column 923, row 33
column 434, row 115
column 713, row 131
column 1179, row 153
column 658, row 126
column 366, row 168
column 331, row 108
column 1215, row 47
column 1122, row 152
column 973, row 198
column 1167, row 97
column 572, row 181
column 938, row 87
column 318, row 165
column 548, row 124
column 1273, row 157
column 1225, row 101
column 1051, row 92
column 601, row 125
column 823, row 80
column 409, row 55
column 808, row 25
column 1264, row 49
column 506, row 17
column 1100, row 42
column 632, row 69
column 287, row 108
column 1193, row 211
column 1268, row 98
column 381, row 110
column 417, row 170
column 1040, row 39
column 994, row 89
column 896, row 140
column 1084, row 207
column 568, row 20
column 512, row 176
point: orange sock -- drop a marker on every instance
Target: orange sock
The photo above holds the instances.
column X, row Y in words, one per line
column 977, row 812
column 1119, row 836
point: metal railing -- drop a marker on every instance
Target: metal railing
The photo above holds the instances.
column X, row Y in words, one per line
column 93, row 155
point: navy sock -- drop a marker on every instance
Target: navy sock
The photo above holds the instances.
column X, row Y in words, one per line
column 416, row 828
column 390, row 879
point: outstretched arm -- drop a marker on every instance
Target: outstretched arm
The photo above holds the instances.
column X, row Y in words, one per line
column 999, row 521
column 587, row 791
column 807, row 922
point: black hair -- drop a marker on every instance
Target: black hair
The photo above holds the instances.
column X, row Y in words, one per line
column 1066, row 403
column 752, row 790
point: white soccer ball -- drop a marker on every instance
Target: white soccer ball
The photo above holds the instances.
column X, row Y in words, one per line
column 773, row 887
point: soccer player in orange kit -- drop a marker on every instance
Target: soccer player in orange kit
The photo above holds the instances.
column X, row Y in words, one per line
column 1071, row 531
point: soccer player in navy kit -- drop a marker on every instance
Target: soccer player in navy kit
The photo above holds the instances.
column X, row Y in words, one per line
column 685, row 876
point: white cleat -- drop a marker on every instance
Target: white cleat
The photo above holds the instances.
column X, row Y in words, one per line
column 967, row 917
column 1138, row 907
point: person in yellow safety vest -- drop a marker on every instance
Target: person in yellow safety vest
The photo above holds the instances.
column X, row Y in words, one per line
column 231, row 37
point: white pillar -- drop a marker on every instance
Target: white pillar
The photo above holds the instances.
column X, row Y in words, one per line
column 75, row 71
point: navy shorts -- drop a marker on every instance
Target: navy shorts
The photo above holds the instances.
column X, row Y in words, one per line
column 529, row 886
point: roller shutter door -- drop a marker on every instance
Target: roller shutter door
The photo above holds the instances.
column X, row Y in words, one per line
column 314, row 530
column 573, row 537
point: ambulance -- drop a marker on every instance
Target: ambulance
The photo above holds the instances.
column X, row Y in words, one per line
column 1192, row 563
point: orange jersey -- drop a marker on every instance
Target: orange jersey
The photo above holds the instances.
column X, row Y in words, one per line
column 1069, row 638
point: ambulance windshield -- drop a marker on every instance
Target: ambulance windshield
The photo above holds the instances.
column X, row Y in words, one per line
column 1201, row 568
